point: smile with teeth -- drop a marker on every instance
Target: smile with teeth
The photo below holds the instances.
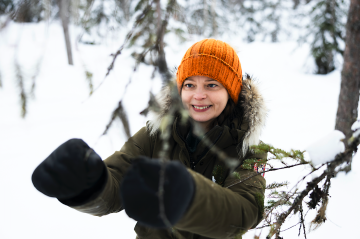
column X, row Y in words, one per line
column 201, row 108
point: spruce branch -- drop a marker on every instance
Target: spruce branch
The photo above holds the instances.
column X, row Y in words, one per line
column 329, row 172
column 276, row 185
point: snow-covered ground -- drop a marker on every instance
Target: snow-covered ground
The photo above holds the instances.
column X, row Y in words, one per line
column 302, row 110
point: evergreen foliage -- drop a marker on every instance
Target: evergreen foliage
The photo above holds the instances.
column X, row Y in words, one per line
column 275, row 154
column 276, row 185
column 6, row 6
column 29, row 11
column 89, row 77
column 327, row 30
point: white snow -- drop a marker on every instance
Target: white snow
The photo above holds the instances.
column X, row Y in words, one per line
column 325, row 149
column 356, row 133
column 302, row 107
column 356, row 128
column 356, row 125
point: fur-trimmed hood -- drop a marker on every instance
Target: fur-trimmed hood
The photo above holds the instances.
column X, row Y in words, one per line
column 251, row 104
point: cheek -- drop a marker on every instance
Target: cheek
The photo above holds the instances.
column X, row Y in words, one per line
column 222, row 100
column 185, row 98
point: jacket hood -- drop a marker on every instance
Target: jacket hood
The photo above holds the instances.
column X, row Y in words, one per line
column 251, row 104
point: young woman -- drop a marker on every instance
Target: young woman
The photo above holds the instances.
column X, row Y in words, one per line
column 198, row 195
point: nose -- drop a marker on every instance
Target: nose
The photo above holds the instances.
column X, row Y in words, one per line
column 200, row 94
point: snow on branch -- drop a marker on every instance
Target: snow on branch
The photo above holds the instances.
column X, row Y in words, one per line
column 325, row 149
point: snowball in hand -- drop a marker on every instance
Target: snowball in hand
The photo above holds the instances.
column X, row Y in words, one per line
column 326, row 148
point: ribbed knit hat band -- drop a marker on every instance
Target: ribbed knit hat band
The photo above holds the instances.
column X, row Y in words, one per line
column 214, row 59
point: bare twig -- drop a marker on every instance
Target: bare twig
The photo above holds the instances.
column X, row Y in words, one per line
column 119, row 112
column 138, row 21
column 261, row 227
column 290, row 227
column 302, row 220
column 269, row 170
column 161, row 61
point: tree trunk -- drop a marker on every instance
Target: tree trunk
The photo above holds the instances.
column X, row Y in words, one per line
column 65, row 15
column 47, row 9
column 350, row 76
column 205, row 17
column 213, row 13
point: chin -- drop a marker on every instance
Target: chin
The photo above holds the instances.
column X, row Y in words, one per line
column 201, row 119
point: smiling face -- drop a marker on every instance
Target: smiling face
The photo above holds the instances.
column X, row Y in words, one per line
column 205, row 98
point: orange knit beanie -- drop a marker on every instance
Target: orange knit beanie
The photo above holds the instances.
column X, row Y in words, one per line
column 214, row 59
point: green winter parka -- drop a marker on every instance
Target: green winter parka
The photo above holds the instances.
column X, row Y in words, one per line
column 223, row 206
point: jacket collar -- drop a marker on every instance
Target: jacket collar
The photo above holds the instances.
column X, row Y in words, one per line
column 250, row 122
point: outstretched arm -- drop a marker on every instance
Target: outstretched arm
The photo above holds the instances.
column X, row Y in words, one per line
column 107, row 199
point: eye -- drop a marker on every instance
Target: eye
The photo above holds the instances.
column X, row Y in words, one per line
column 188, row 85
column 212, row 85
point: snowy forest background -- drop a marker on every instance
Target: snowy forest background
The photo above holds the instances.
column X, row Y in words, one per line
column 53, row 88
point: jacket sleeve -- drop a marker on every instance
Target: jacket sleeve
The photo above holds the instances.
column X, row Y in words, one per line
column 225, row 212
column 107, row 200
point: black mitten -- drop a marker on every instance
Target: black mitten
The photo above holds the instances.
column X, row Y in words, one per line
column 139, row 191
column 69, row 170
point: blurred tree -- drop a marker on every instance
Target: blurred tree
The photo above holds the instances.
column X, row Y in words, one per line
column 64, row 6
column 327, row 29
column 29, row 11
column 6, row 6
column 273, row 18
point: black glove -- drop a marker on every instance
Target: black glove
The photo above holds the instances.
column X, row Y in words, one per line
column 70, row 170
column 139, row 191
